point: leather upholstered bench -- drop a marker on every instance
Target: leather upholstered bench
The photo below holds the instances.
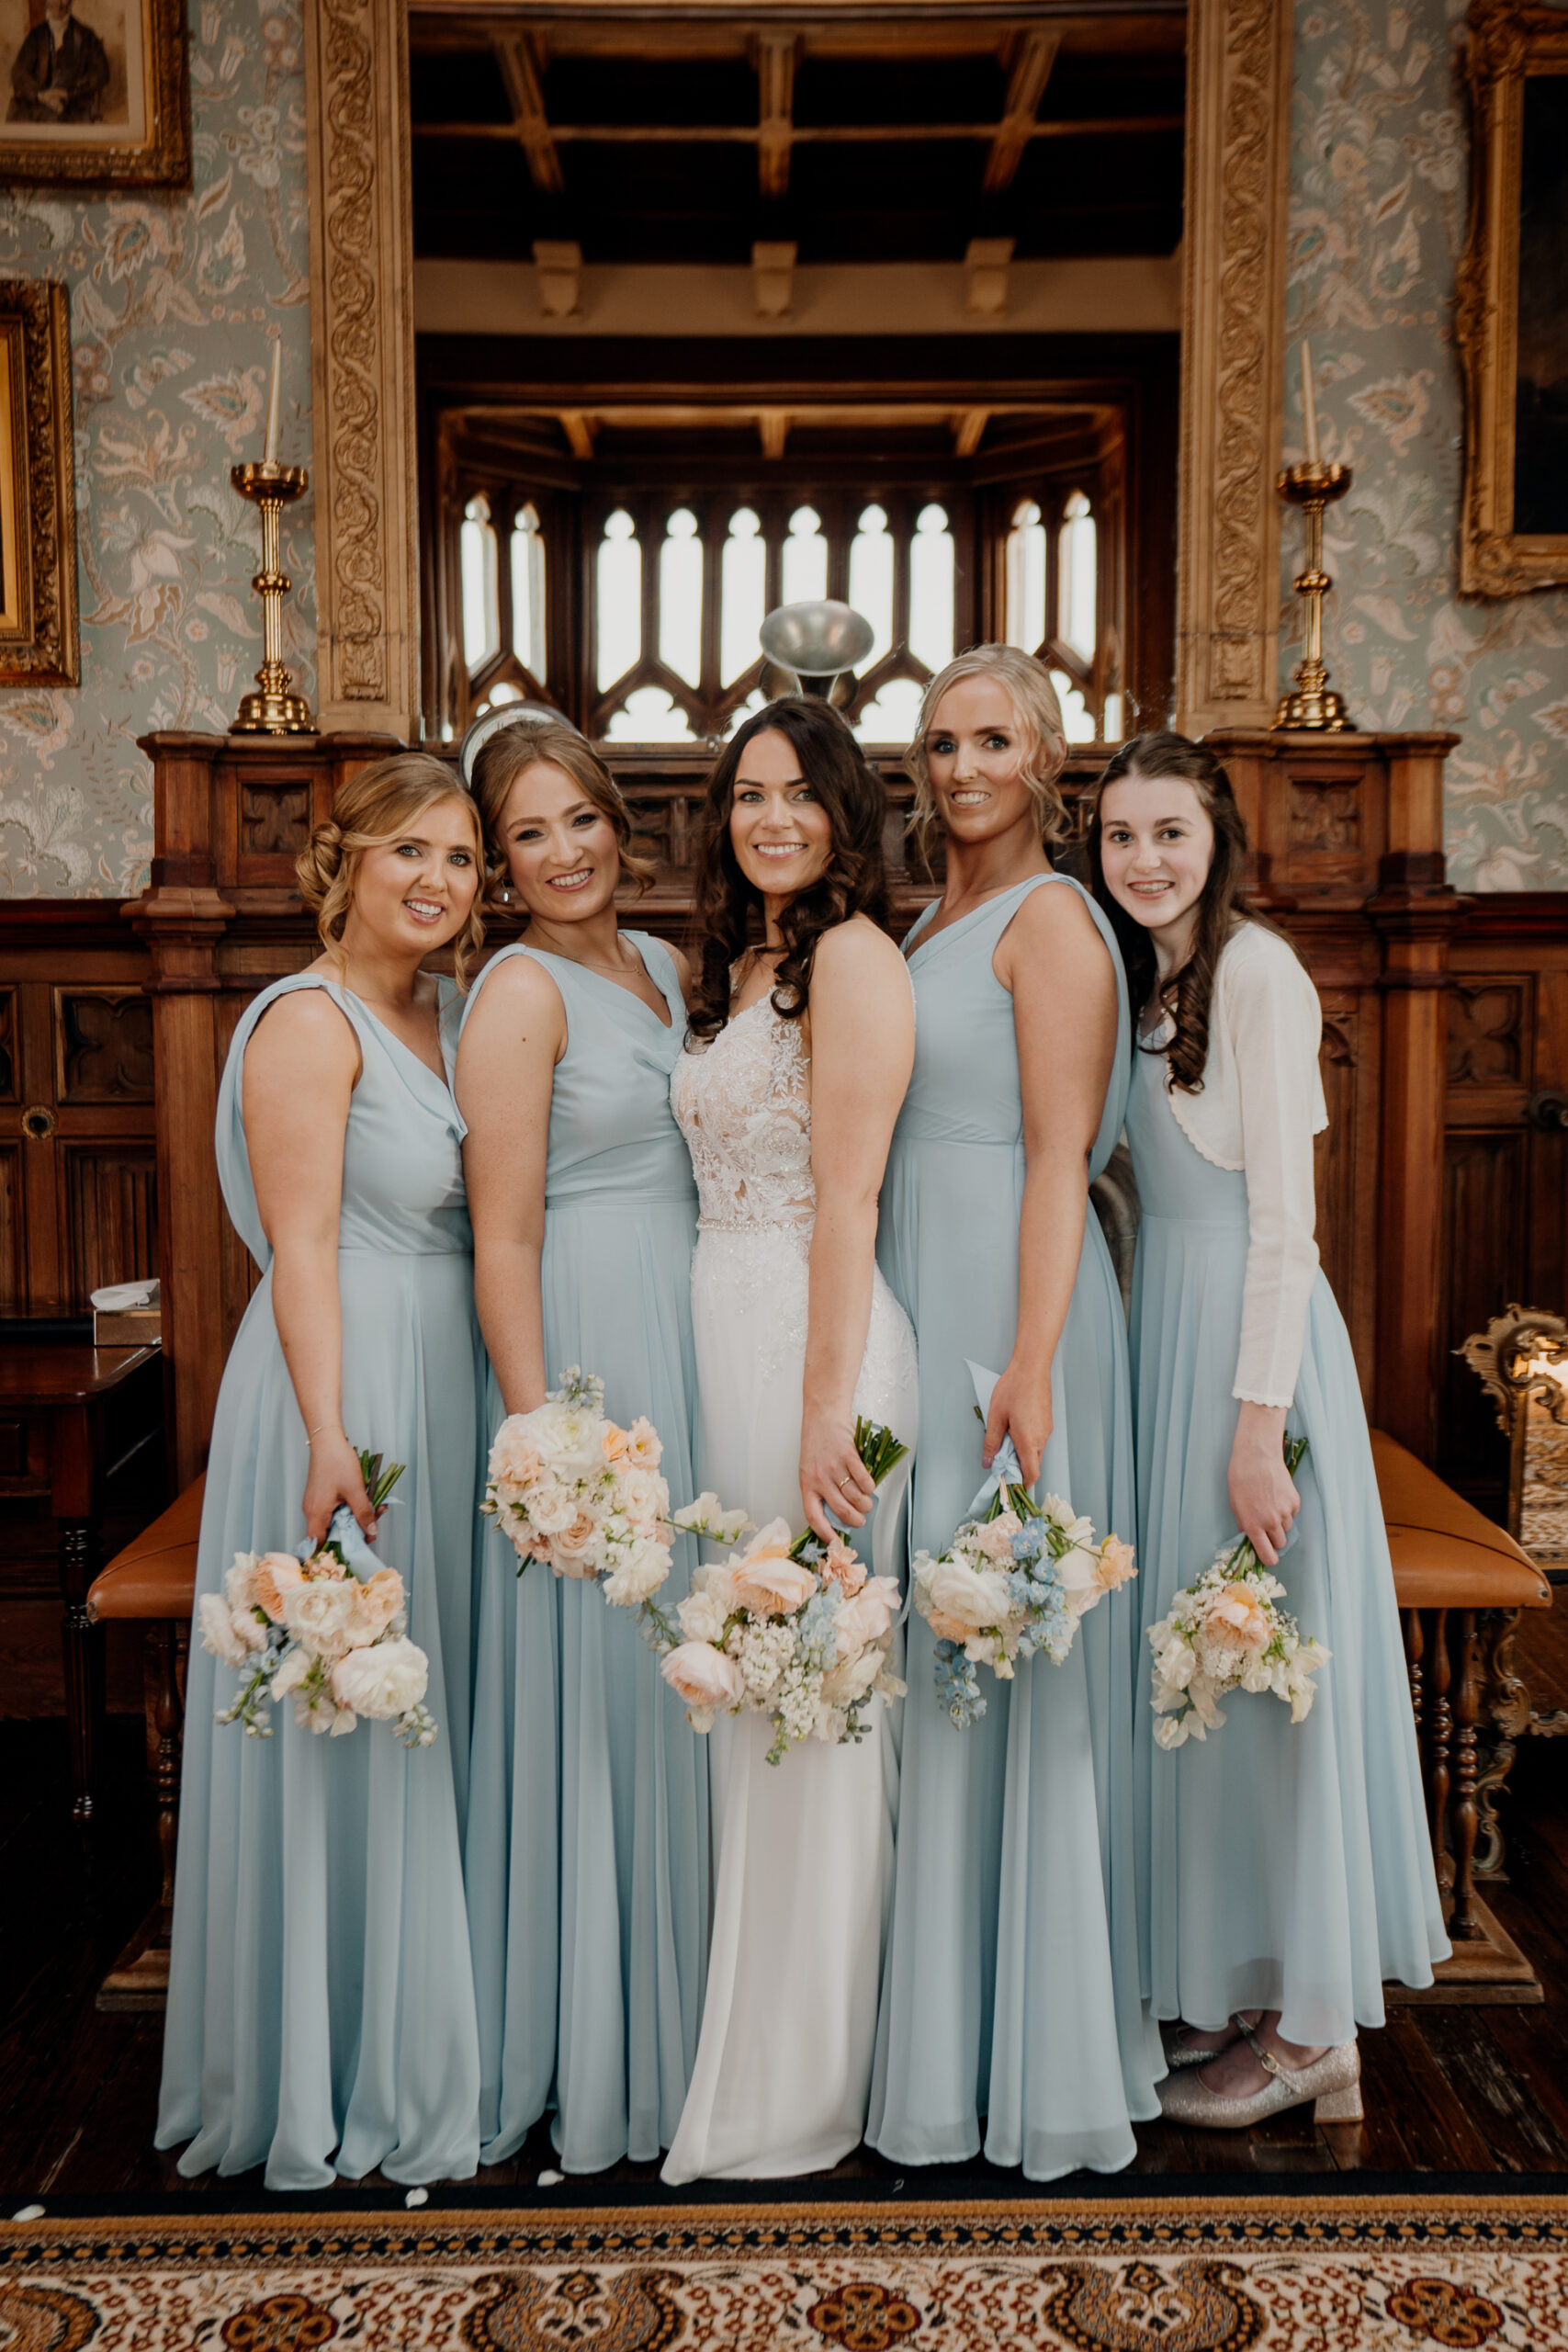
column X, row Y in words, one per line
column 1461, row 1581
column 154, row 1580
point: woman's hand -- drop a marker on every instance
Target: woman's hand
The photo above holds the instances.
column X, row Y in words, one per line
column 1263, row 1494
column 832, row 1475
column 334, row 1478
column 1021, row 1409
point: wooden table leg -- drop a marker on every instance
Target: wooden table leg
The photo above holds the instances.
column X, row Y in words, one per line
column 1463, row 1925
column 1439, row 1725
column 83, row 1647
column 75, row 1480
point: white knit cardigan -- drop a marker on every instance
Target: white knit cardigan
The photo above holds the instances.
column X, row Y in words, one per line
column 1261, row 1107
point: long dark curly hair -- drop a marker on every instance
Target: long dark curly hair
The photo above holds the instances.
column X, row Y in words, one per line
column 1188, row 995
column 727, row 914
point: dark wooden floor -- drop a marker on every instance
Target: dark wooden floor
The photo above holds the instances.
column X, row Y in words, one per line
column 1447, row 2089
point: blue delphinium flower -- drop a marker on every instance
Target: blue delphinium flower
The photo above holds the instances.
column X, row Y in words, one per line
column 817, row 1642
column 1030, row 1540
column 958, row 1685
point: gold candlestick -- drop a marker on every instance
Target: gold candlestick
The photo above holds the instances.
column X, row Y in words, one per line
column 1312, row 702
column 273, row 711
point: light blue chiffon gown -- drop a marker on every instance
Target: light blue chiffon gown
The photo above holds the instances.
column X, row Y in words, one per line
column 1288, row 1866
column 587, row 1855
column 320, row 2011
column 1012, row 1984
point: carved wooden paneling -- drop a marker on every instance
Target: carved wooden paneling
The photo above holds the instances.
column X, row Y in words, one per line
column 111, row 1218
column 1487, row 1021
column 103, row 1045
column 274, row 822
column 1324, row 816
column 13, row 1277
column 8, row 1045
column 1335, row 1155
column 1484, row 1229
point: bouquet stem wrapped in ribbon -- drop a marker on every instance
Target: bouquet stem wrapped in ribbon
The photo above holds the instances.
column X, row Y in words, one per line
column 791, row 1629
column 1017, row 1577
column 1226, row 1633
column 326, row 1628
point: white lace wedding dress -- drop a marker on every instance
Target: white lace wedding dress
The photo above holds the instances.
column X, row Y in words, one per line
column 803, row 1850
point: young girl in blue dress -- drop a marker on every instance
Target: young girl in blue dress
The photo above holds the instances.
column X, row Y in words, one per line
column 1011, row 1991
column 587, row 1851
column 1288, row 1871
column 320, row 2013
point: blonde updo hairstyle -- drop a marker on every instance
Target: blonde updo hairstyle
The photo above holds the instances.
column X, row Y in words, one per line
column 532, row 744
column 381, row 804
column 1039, row 715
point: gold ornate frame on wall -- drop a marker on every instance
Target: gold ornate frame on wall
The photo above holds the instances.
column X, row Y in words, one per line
column 38, row 639
column 1238, row 95
column 1509, row 40
column 160, row 157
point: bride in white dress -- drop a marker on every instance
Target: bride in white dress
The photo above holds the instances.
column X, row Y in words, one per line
column 788, row 1120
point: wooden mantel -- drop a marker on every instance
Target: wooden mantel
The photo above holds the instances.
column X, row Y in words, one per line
column 1349, row 861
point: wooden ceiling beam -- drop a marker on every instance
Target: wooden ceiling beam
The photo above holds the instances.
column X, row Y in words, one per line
column 830, row 134
column 526, row 95
column 578, row 428
column 773, row 55
column 1034, row 56
column 968, row 431
column 772, row 424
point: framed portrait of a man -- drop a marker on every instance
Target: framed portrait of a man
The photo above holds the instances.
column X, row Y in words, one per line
column 95, row 92
column 39, row 644
column 1512, row 316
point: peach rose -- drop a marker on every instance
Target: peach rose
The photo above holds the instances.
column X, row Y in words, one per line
column 852, row 1679
column 613, row 1444
column 841, row 1566
column 1236, row 1619
column 515, row 1458
column 946, row 1628
column 276, row 1574
column 376, row 1603
column 571, row 1541
column 703, row 1676
column 867, row 1617
column 771, row 1585
column 994, row 1540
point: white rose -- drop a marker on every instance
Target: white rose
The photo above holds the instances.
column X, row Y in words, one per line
column 220, row 1633
column 320, row 1614
column 640, row 1571
column 383, row 1681
column 702, row 1619
column 644, row 1494
column 975, row 1596
column 844, row 1683
column 552, row 1507
column 569, row 1436
column 718, row 1583
column 867, row 1618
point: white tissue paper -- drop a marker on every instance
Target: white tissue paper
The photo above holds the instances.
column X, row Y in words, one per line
column 119, row 1297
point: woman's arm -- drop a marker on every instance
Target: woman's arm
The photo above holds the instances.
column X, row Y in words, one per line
column 863, row 1050
column 1271, row 1018
column 506, row 1059
column 1064, row 1009
column 302, row 1066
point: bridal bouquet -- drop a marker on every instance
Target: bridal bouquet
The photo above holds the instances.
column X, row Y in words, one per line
column 1017, row 1577
column 794, row 1630
column 326, row 1628
column 583, row 1496
column 1226, row 1633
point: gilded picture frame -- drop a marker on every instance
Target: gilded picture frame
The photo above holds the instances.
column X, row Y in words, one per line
column 1511, row 317
column 94, row 93
column 39, row 640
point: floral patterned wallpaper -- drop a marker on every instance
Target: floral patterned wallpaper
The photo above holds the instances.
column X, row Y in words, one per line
column 173, row 302
column 1378, row 221
column 174, row 299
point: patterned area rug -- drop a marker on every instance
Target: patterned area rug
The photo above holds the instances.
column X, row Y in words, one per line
column 1145, row 2275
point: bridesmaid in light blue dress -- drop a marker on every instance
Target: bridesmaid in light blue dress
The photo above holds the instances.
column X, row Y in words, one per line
column 1289, row 1868
column 1011, row 1986
column 587, row 1858
column 321, row 2014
